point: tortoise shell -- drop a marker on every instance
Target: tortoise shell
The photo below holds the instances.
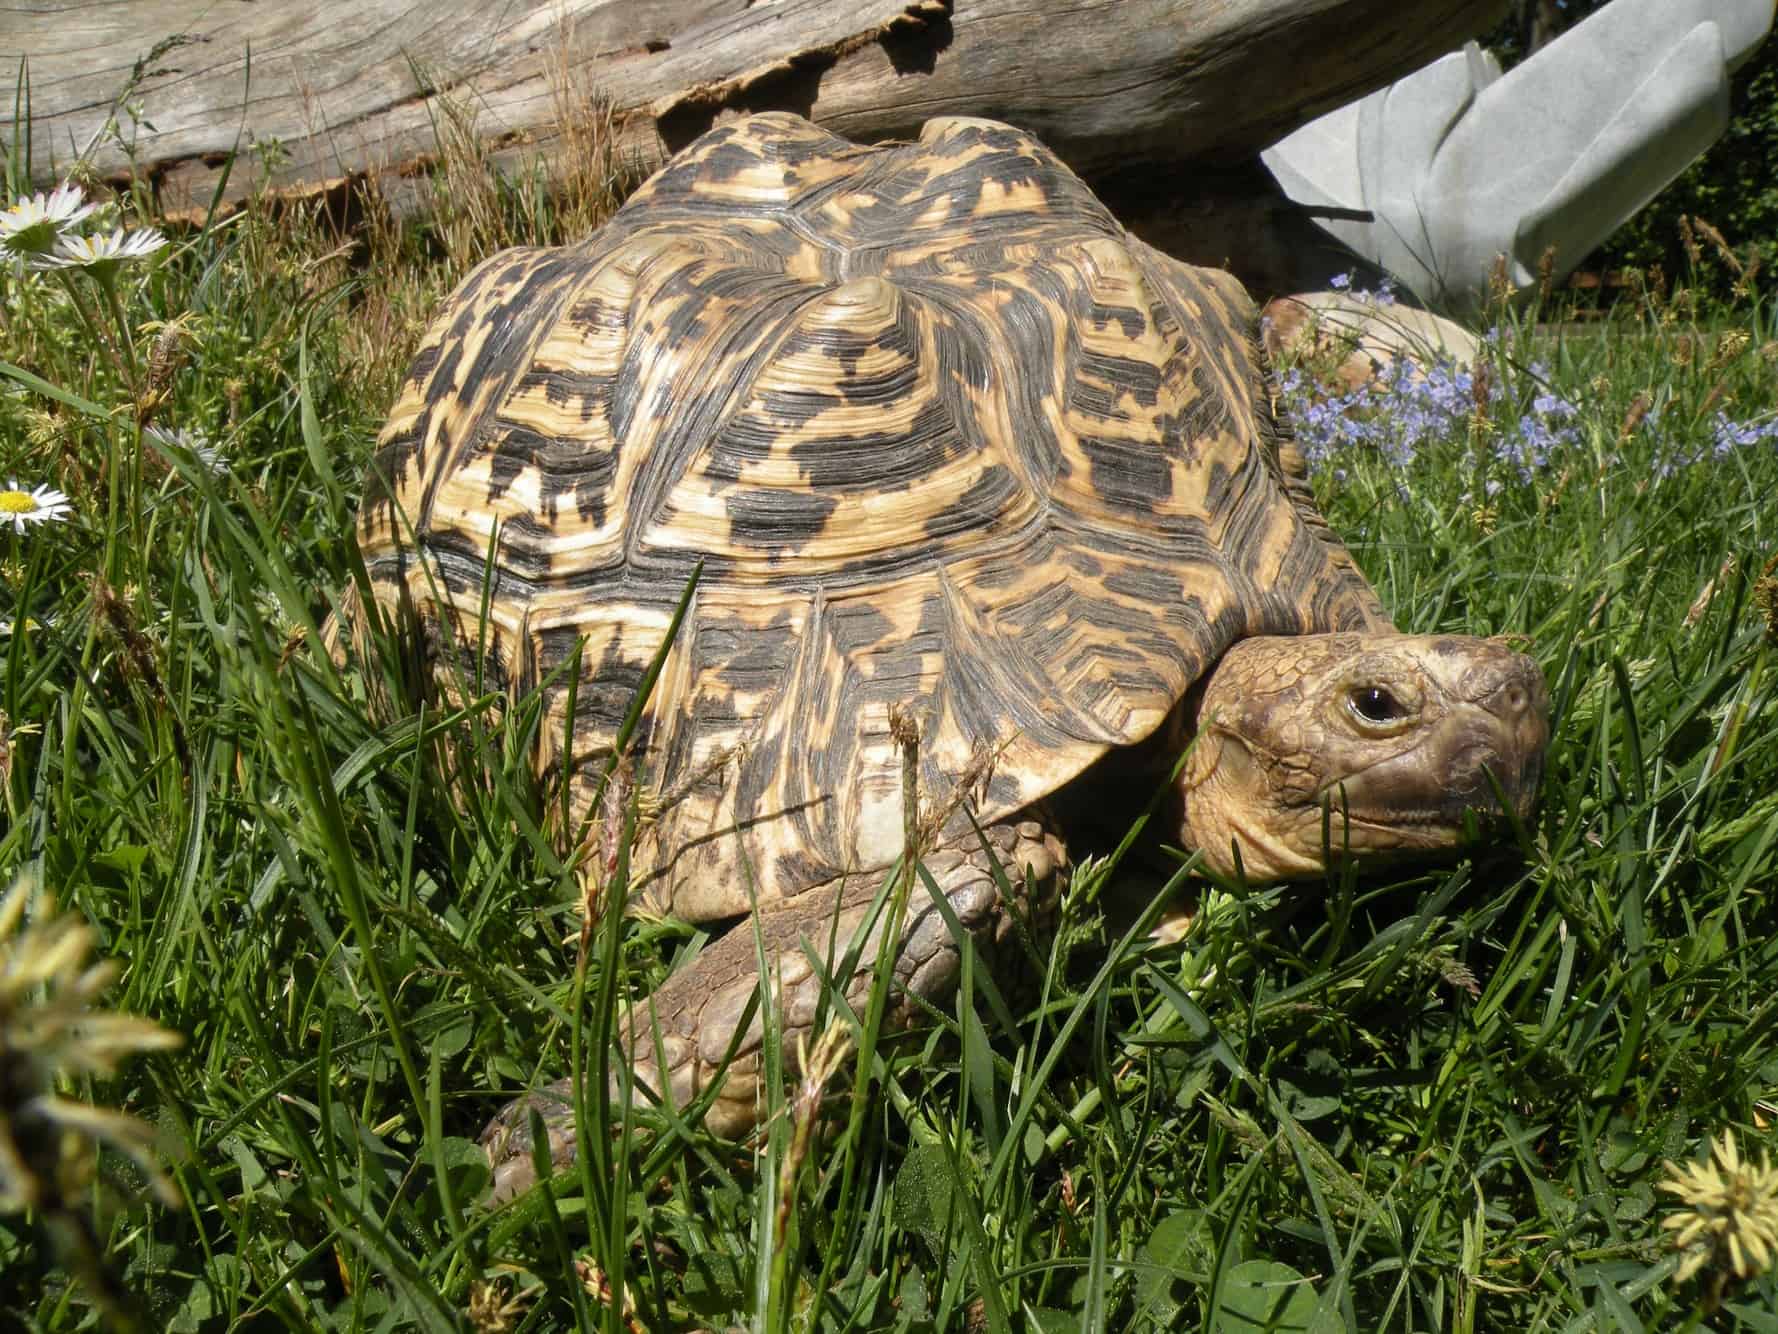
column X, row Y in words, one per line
column 942, row 436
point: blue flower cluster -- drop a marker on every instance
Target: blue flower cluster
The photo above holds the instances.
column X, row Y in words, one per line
column 1549, row 427
column 1727, row 436
column 1408, row 408
column 1397, row 414
column 1382, row 295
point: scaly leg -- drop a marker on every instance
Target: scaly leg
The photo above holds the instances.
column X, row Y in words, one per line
column 699, row 1009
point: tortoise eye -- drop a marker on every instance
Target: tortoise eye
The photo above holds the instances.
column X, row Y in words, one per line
column 1374, row 704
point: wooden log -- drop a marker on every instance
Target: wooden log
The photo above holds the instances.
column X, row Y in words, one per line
column 336, row 89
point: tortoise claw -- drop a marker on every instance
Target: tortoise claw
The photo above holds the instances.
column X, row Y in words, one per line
column 507, row 1139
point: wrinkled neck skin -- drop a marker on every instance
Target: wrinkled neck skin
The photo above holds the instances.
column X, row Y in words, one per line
column 1218, row 819
column 1319, row 747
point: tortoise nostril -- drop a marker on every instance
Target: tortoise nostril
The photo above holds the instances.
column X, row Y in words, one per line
column 1468, row 766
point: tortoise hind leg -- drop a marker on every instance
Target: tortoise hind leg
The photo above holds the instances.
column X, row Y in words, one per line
column 698, row 1011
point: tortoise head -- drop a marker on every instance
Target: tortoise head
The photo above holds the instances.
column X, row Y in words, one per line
column 1391, row 744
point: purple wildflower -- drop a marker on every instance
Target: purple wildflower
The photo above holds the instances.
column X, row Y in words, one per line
column 1405, row 410
column 1553, row 407
column 1728, row 436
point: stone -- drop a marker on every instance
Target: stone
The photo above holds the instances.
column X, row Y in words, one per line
column 1361, row 333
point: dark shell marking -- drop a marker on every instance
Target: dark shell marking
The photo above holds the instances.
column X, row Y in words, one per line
column 944, row 437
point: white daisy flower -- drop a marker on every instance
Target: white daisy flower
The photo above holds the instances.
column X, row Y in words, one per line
column 34, row 223
column 182, row 441
column 101, row 253
column 41, row 504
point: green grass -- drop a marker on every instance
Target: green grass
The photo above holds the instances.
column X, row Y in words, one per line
column 1438, row 1102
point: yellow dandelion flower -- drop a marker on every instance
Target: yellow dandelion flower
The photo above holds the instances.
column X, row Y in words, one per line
column 50, row 1029
column 492, row 1310
column 1729, row 1218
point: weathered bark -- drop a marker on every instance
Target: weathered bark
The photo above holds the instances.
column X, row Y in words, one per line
column 349, row 87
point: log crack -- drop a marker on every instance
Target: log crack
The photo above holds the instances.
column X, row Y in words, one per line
column 794, row 79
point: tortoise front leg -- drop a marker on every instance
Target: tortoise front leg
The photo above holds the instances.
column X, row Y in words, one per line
column 699, row 1009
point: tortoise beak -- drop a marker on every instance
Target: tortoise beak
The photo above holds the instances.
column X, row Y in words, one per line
column 1500, row 738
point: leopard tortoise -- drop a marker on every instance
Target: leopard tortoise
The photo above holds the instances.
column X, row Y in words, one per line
column 949, row 445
